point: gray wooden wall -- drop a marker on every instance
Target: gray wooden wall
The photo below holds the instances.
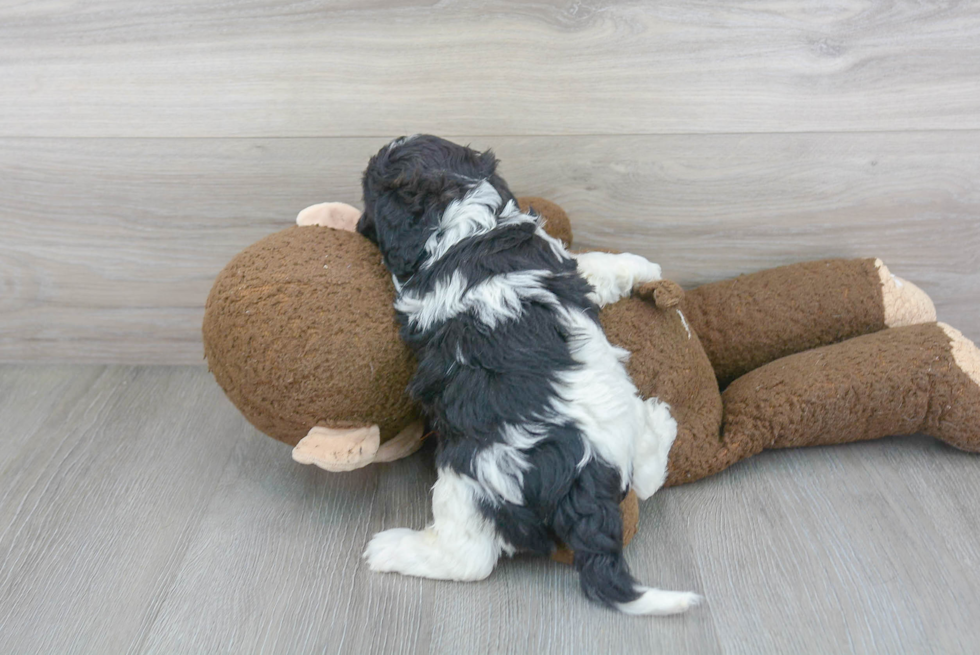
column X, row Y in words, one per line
column 144, row 144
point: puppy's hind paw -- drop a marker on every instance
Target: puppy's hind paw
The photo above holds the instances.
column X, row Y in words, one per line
column 387, row 550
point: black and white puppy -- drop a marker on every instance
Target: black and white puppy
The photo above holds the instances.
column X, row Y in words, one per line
column 540, row 429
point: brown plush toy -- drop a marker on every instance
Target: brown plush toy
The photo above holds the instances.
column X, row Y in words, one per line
column 300, row 333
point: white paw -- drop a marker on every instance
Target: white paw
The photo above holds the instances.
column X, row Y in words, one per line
column 614, row 276
column 391, row 550
column 636, row 269
column 420, row 553
column 644, row 271
column 656, row 602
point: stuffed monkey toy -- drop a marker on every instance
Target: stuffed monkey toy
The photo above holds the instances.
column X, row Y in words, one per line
column 300, row 333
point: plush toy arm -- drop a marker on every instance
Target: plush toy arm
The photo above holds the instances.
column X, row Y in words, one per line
column 664, row 294
column 614, row 276
column 755, row 319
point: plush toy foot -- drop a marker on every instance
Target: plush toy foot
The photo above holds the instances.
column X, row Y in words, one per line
column 337, row 215
column 338, row 449
column 965, row 353
column 917, row 378
column 958, row 422
column 903, row 302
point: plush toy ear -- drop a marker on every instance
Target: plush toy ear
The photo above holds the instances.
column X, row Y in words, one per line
column 338, row 215
column 556, row 221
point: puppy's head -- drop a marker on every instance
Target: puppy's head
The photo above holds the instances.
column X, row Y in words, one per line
column 407, row 187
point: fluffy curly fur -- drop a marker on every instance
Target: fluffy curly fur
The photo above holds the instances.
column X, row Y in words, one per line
column 540, row 430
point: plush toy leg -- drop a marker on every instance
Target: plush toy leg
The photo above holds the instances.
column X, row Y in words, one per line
column 756, row 319
column 921, row 378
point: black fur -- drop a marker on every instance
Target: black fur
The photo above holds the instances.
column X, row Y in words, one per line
column 406, row 190
column 507, row 373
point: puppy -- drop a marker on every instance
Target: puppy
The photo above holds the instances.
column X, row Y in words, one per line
column 540, row 429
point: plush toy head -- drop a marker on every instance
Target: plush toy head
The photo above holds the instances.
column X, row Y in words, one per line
column 299, row 330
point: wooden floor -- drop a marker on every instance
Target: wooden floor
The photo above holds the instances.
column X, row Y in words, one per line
column 139, row 513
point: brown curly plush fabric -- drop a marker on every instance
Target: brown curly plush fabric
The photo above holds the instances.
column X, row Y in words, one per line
column 758, row 318
column 556, row 221
column 299, row 330
column 899, row 381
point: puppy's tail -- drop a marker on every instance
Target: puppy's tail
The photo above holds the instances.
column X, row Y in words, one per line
column 588, row 520
column 606, row 579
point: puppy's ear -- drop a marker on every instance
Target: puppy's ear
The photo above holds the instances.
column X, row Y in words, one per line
column 366, row 227
column 403, row 237
column 487, row 162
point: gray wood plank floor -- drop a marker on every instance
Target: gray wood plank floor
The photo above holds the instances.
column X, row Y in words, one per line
column 140, row 513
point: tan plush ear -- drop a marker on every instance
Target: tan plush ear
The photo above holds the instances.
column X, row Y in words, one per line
column 346, row 449
column 556, row 221
column 338, row 215
column 404, row 444
column 338, row 449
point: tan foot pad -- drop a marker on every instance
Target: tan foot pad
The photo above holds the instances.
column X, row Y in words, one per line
column 904, row 303
column 338, row 449
column 965, row 353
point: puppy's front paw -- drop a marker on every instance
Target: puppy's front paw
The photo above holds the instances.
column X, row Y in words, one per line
column 390, row 551
column 642, row 269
